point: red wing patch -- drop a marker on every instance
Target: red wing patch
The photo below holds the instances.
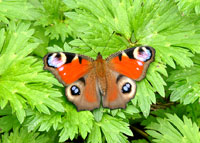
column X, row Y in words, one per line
column 132, row 62
column 71, row 72
column 67, row 67
column 131, row 68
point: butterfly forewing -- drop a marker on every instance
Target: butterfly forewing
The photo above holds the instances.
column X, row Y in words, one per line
column 132, row 62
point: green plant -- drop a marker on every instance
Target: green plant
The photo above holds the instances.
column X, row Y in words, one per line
column 33, row 104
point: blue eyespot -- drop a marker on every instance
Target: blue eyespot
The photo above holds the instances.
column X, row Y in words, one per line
column 143, row 54
column 126, row 88
column 75, row 90
column 55, row 60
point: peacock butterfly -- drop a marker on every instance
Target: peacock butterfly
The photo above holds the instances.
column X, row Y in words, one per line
column 89, row 81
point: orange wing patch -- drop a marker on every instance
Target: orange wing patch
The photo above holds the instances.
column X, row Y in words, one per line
column 90, row 92
column 112, row 93
column 71, row 72
column 131, row 68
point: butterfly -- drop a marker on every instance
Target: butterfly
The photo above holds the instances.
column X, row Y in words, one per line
column 111, row 81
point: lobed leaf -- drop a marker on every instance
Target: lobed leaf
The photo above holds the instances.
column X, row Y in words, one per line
column 22, row 80
column 112, row 128
column 186, row 85
column 188, row 7
column 19, row 9
column 74, row 123
column 21, row 135
column 173, row 129
column 52, row 19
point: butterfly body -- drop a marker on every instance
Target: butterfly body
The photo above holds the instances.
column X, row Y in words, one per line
column 111, row 81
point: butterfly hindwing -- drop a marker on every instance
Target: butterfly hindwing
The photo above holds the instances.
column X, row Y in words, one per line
column 75, row 72
column 84, row 92
column 120, row 90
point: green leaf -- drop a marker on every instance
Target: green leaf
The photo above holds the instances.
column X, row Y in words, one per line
column 144, row 96
column 188, row 7
column 19, row 9
column 173, row 129
column 131, row 110
column 22, row 80
column 23, row 136
column 139, row 141
column 186, row 85
column 156, row 79
column 113, row 129
column 74, row 123
column 98, row 114
column 52, row 19
column 7, row 120
column 42, row 122
column 95, row 135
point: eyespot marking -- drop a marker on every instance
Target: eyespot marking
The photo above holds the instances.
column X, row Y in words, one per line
column 126, row 88
column 75, row 90
column 56, row 60
column 142, row 53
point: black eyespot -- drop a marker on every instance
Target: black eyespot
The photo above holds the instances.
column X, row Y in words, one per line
column 126, row 88
column 141, row 50
column 58, row 56
column 75, row 90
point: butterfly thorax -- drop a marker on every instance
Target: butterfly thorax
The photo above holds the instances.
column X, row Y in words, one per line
column 100, row 66
column 100, row 70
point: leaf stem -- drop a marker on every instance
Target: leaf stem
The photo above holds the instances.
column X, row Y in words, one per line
column 141, row 132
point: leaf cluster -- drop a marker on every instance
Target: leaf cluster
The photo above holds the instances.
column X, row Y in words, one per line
column 33, row 104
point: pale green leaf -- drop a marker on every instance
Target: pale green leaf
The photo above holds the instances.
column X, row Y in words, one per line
column 144, row 96
column 188, row 7
column 114, row 128
column 19, row 9
column 186, row 85
column 95, row 135
column 22, row 80
column 74, row 123
column 173, row 129
column 23, row 136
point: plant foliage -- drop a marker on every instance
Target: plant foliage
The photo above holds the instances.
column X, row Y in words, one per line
column 33, row 104
column 173, row 129
column 189, row 6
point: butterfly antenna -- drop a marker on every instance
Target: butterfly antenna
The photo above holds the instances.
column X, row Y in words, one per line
column 108, row 41
column 87, row 45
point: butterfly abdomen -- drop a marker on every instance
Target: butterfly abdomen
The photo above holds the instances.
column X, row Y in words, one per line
column 100, row 71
